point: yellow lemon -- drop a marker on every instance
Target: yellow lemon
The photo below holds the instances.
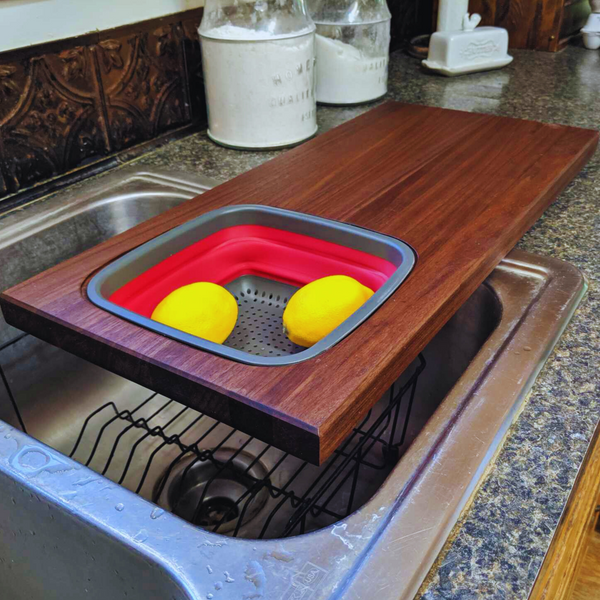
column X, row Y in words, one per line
column 204, row 309
column 320, row 306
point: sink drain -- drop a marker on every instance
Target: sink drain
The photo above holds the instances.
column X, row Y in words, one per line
column 216, row 510
column 215, row 494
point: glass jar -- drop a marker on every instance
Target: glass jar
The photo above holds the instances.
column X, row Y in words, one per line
column 353, row 43
column 258, row 59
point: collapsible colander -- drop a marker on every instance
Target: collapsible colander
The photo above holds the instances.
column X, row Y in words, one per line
column 262, row 255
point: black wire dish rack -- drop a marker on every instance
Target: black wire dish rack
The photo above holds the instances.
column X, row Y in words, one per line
column 227, row 482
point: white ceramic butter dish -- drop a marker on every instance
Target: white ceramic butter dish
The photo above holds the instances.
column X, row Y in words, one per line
column 468, row 50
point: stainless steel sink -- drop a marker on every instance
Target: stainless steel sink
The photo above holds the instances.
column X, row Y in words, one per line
column 105, row 530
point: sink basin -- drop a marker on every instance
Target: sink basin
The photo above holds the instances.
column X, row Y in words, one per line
column 117, row 492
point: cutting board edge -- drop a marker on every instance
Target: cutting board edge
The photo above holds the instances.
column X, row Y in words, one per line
column 248, row 416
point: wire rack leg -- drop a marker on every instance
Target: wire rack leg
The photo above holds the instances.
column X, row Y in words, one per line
column 12, row 400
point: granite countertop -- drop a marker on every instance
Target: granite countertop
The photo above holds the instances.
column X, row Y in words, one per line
column 499, row 545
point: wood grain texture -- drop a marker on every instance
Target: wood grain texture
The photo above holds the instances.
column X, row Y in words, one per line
column 587, row 585
column 532, row 24
column 461, row 188
column 486, row 8
column 562, row 566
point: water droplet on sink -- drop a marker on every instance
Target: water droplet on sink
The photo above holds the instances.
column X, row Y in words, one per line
column 282, row 555
column 527, row 348
column 209, row 596
column 120, row 507
column 228, row 578
column 157, row 512
column 141, row 536
column 218, row 585
column 209, row 569
column 85, row 481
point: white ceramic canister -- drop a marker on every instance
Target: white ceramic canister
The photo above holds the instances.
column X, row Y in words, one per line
column 259, row 73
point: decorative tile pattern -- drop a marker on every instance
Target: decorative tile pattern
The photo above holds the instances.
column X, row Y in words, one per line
column 142, row 77
column 50, row 116
column 68, row 105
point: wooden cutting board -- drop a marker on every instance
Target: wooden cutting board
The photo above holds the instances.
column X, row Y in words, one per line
column 461, row 188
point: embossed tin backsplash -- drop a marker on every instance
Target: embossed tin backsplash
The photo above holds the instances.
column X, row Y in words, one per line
column 67, row 104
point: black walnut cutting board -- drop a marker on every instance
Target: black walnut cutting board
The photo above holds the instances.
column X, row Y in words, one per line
column 461, row 188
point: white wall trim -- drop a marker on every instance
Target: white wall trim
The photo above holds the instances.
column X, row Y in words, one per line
column 28, row 22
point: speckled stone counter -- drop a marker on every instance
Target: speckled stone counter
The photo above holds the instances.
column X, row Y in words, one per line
column 498, row 548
